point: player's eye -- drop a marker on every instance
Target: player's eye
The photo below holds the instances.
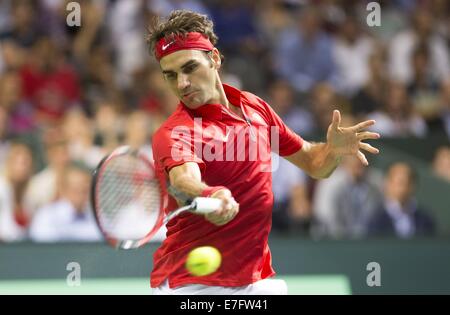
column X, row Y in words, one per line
column 171, row 76
column 190, row 68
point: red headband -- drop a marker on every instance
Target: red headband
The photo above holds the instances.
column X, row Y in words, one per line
column 191, row 40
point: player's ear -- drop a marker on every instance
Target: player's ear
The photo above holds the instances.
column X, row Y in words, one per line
column 215, row 57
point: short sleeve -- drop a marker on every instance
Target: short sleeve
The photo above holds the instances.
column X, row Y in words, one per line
column 283, row 140
column 173, row 148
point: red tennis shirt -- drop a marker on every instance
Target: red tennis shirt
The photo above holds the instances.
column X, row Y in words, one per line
column 233, row 152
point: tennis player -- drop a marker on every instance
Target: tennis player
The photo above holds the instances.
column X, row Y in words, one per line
column 205, row 149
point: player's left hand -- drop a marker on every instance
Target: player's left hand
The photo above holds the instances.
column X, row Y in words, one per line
column 348, row 140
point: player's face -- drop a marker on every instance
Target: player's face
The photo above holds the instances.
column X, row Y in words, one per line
column 192, row 76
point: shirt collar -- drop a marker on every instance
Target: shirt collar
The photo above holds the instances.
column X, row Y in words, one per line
column 215, row 111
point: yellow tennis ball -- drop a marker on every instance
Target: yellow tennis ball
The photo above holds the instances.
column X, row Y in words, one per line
column 203, row 261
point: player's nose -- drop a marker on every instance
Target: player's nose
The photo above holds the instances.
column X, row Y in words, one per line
column 183, row 82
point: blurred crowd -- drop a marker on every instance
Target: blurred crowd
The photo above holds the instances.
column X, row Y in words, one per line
column 69, row 95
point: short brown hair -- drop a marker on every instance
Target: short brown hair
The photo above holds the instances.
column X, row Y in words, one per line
column 180, row 22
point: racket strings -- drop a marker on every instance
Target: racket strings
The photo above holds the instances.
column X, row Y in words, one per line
column 128, row 198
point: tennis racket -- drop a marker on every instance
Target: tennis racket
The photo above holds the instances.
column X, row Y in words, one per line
column 128, row 202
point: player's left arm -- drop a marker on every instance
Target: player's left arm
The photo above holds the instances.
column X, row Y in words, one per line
column 319, row 160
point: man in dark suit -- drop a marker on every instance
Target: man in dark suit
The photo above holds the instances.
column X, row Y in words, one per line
column 400, row 214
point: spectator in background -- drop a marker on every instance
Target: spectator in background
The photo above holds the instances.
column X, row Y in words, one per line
column 108, row 125
column 402, row 46
column 152, row 90
column 69, row 218
column 304, row 55
column 79, row 132
column 282, row 100
column 156, row 100
column 370, row 97
column 164, row 7
column 344, row 203
column 235, row 24
column 24, row 26
column 423, row 89
column 82, row 39
column 442, row 123
column 49, row 83
column 43, row 186
column 14, row 217
column 12, row 56
column 138, row 130
column 445, row 99
column 400, row 214
column 4, row 14
column 351, row 54
column 5, row 142
column 323, row 100
column 398, row 118
column 98, row 77
column 441, row 163
column 20, row 113
column 125, row 23
column 272, row 18
column 291, row 210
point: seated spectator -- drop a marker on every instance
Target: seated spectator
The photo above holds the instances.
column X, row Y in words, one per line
column 370, row 97
column 5, row 141
column 291, row 209
column 108, row 126
column 240, row 41
column 403, row 44
column 20, row 112
column 343, row 203
column 442, row 123
column 79, row 132
column 125, row 23
column 49, row 83
column 98, row 76
column 164, row 7
column 282, row 100
column 14, row 217
column 137, row 132
column 43, row 186
column 400, row 215
column 324, row 100
column 398, row 118
column 351, row 54
column 24, row 27
column 441, row 163
column 12, row 56
column 69, row 218
column 304, row 54
column 424, row 88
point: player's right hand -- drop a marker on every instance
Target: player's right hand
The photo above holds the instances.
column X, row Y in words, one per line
column 227, row 212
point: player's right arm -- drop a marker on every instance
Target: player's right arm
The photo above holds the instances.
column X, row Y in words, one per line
column 186, row 178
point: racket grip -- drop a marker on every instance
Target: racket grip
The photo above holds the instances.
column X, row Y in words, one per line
column 206, row 205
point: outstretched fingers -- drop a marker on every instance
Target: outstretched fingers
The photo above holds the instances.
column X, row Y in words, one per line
column 367, row 135
column 363, row 125
column 368, row 148
column 362, row 158
column 336, row 122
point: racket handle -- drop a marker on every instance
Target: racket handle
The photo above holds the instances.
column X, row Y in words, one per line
column 206, row 205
